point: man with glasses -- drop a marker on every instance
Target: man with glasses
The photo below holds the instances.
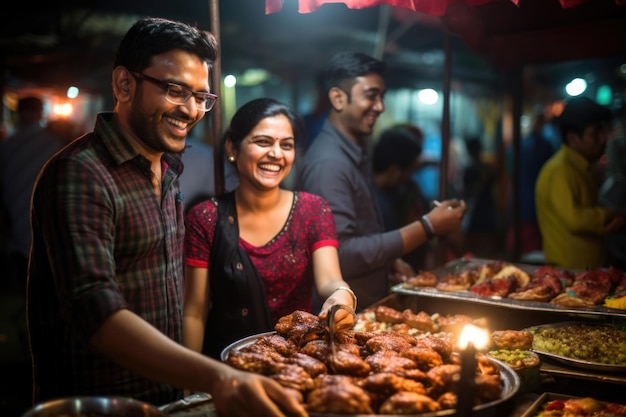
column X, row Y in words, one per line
column 106, row 264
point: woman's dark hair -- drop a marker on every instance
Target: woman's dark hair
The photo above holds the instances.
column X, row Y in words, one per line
column 153, row 36
column 250, row 114
column 345, row 67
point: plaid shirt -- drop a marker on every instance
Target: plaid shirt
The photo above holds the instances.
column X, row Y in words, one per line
column 102, row 242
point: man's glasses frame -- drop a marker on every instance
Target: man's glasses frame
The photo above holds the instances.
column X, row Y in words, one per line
column 179, row 95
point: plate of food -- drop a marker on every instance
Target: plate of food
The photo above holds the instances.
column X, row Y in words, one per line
column 556, row 405
column 585, row 345
column 373, row 373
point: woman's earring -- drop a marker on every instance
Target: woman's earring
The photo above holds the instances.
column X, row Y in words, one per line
column 231, row 159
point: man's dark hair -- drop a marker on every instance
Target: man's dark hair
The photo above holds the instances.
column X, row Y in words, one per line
column 153, row 36
column 579, row 113
column 345, row 67
column 396, row 146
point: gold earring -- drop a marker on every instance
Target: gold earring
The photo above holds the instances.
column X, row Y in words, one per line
column 231, row 159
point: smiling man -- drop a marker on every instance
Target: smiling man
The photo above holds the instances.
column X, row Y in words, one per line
column 105, row 285
column 337, row 167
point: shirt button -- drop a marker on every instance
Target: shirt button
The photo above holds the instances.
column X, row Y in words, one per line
column 244, row 312
column 239, row 266
column 231, row 219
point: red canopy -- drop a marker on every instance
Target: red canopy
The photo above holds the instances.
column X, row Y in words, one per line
column 432, row 7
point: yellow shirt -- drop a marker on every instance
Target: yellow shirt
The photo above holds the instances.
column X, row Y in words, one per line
column 570, row 219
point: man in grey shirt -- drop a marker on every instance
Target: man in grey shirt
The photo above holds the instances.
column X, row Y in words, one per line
column 337, row 167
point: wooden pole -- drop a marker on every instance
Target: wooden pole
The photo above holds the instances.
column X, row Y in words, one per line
column 216, row 113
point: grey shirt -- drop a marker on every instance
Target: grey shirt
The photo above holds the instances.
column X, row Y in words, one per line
column 338, row 170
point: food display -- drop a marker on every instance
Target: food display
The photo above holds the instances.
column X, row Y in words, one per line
column 601, row 291
column 391, row 362
column 558, row 405
column 593, row 346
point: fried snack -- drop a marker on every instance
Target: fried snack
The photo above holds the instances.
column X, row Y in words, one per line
column 512, row 339
column 346, row 398
column 423, row 279
column 409, row 403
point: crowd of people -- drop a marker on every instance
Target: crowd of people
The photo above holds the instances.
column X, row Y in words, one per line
column 136, row 282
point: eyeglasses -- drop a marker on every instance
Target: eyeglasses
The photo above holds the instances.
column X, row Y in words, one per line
column 177, row 94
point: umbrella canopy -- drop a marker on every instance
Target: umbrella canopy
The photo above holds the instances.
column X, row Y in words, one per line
column 433, row 7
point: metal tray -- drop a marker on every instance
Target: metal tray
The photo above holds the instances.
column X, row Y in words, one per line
column 461, row 264
column 510, row 378
column 537, row 406
column 577, row 363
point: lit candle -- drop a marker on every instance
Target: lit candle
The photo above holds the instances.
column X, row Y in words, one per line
column 471, row 339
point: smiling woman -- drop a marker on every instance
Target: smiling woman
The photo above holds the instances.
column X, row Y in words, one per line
column 253, row 254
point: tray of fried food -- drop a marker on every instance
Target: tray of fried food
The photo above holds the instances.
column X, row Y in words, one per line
column 551, row 404
column 389, row 369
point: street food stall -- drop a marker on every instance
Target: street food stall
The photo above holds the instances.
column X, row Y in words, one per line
column 506, row 299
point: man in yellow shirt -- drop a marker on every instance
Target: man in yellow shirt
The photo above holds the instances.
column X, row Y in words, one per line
column 573, row 225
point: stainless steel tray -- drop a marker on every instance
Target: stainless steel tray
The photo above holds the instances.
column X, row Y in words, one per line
column 510, row 378
column 461, row 264
column 545, row 398
column 577, row 363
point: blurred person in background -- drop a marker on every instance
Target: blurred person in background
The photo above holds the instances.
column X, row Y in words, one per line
column 338, row 168
column 480, row 225
column 105, row 289
column 197, row 182
column 535, row 150
column 285, row 240
column 573, row 224
column 395, row 157
column 613, row 189
column 22, row 155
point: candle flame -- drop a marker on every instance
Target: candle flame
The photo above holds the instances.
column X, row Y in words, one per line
column 476, row 335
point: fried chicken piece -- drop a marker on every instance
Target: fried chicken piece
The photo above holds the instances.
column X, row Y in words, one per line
column 543, row 288
column 500, row 287
column 423, row 279
column 311, row 365
column 486, row 366
column 442, row 379
column 401, row 328
column 277, row 343
column 352, row 348
column 388, row 315
column 293, row 376
column 254, row 362
column 488, row 387
column 421, row 321
column 345, row 398
column 457, row 282
column 389, row 341
column 409, row 403
column 324, row 380
column 389, row 361
column 349, row 364
column 512, row 339
column 424, row 357
column 263, row 349
column 453, row 323
column 442, row 345
column 447, row 400
column 300, row 327
column 318, row 349
column 388, row 383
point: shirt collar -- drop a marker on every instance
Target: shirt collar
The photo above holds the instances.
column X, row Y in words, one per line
column 122, row 151
column 355, row 152
column 577, row 160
